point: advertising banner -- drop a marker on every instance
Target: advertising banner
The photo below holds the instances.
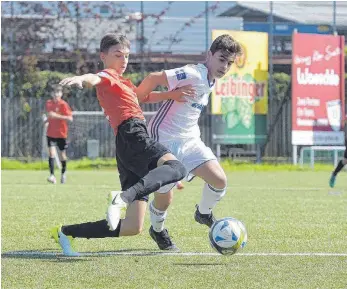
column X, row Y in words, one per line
column 239, row 101
column 318, row 89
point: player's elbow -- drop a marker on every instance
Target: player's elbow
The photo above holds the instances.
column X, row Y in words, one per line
column 158, row 78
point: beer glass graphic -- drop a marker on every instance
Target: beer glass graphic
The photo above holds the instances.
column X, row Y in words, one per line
column 334, row 114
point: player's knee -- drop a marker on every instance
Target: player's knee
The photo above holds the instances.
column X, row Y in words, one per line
column 136, row 229
column 63, row 156
column 220, row 181
column 344, row 161
column 179, row 169
column 162, row 201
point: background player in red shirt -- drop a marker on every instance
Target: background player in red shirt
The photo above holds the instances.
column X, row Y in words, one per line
column 58, row 114
column 144, row 165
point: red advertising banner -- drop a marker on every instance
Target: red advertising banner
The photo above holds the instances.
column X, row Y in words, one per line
column 318, row 94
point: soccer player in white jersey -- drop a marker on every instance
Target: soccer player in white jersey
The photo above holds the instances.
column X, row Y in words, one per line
column 175, row 125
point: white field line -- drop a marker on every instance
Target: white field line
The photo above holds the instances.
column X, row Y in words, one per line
column 39, row 254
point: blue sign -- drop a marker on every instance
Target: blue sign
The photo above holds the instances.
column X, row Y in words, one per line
column 287, row 29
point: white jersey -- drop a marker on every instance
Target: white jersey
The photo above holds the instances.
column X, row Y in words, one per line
column 179, row 120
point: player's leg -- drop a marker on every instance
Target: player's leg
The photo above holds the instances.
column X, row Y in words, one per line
column 62, row 145
column 51, row 155
column 214, row 190
column 158, row 209
column 200, row 161
column 158, row 213
column 131, row 225
column 168, row 171
column 338, row 168
column 148, row 159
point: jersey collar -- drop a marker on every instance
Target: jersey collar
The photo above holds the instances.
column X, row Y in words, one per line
column 203, row 66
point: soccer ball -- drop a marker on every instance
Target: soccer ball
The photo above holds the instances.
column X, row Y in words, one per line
column 228, row 235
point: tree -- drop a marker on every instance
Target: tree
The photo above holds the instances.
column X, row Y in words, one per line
column 32, row 31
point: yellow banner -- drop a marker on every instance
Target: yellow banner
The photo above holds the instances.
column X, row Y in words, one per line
column 246, row 82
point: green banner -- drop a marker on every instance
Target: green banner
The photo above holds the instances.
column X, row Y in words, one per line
column 239, row 101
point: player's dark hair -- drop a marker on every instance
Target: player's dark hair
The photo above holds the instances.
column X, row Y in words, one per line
column 226, row 44
column 111, row 39
column 57, row 87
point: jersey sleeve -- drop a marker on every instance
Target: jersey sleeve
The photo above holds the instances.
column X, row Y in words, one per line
column 178, row 77
column 106, row 78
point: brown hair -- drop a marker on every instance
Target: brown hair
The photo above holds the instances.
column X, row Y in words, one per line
column 57, row 87
column 226, row 44
column 111, row 39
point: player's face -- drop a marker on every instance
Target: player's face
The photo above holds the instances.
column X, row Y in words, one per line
column 57, row 94
column 116, row 58
column 219, row 63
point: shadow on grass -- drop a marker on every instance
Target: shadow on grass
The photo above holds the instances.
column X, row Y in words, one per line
column 139, row 252
column 51, row 254
column 45, row 254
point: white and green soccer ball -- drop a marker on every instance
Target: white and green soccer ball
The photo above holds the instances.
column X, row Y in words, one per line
column 228, row 235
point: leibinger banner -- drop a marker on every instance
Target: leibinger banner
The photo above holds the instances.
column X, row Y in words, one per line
column 318, row 89
column 240, row 98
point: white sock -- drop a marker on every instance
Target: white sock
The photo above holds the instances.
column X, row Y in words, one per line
column 157, row 218
column 210, row 197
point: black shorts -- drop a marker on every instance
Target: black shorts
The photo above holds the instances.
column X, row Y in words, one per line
column 345, row 154
column 136, row 152
column 60, row 142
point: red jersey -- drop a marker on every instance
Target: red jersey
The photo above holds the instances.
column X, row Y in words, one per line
column 57, row 128
column 117, row 98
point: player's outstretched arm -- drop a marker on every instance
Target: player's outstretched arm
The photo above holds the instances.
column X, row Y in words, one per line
column 179, row 95
column 146, row 94
column 150, row 83
column 55, row 115
column 88, row 80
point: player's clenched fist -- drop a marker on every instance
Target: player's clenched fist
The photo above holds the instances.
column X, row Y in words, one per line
column 74, row 80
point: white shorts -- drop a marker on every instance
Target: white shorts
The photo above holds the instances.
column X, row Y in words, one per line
column 192, row 153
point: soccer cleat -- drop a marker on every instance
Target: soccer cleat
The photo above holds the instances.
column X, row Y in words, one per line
column 332, row 181
column 205, row 219
column 52, row 179
column 64, row 241
column 116, row 206
column 163, row 240
column 63, row 179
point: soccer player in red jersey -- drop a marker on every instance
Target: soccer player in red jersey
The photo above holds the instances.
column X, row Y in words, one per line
column 59, row 113
column 144, row 165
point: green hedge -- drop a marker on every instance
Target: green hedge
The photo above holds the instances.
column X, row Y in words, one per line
column 35, row 84
column 38, row 83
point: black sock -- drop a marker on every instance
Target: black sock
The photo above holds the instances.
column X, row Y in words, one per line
column 51, row 165
column 170, row 172
column 98, row 229
column 63, row 167
column 339, row 167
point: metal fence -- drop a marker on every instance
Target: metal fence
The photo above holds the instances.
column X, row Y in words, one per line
column 22, row 133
